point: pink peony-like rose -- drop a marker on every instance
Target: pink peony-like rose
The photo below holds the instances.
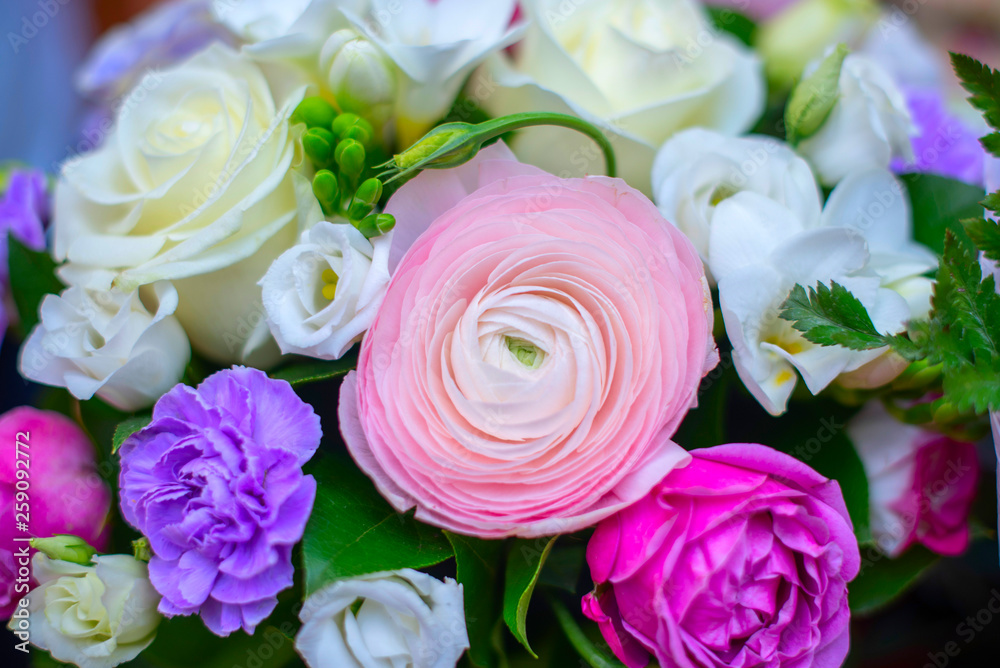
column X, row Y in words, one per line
column 920, row 484
column 742, row 558
column 540, row 341
column 64, row 493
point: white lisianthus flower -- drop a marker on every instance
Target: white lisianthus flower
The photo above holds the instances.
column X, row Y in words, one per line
column 869, row 124
column 93, row 616
column 435, row 45
column 405, row 618
column 195, row 178
column 322, row 294
column 125, row 347
column 699, row 168
column 640, row 69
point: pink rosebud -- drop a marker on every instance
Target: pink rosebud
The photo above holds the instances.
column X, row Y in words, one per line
column 538, row 345
column 920, row 484
column 60, row 490
column 742, row 558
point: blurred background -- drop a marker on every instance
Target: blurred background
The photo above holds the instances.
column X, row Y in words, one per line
column 946, row 620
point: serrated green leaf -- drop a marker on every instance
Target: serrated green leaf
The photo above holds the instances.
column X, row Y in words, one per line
column 478, row 565
column 34, row 276
column 313, row 372
column 353, row 531
column 939, row 204
column 523, row 567
column 992, row 202
column 983, row 83
column 991, row 143
column 127, row 428
column 986, row 235
column 883, row 579
column 578, row 638
column 832, row 316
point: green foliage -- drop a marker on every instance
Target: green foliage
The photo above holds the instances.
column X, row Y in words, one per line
column 353, row 531
column 986, row 235
column 33, row 275
column 314, row 372
column 524, row 564
column 128, row 427
column 478, row 564
column 983, row 83
column 581, row 642
column 939, row 204
column 882, row 579
column 831, row 316
column 730, row 21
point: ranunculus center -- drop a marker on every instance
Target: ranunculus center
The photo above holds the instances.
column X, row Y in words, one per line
column 525, row 352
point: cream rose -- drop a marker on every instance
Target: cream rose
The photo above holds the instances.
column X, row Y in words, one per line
column 94, row 616
column 642, row 69
column 196, row 176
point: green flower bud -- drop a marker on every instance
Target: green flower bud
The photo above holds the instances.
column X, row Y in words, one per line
column 814, row 97
column 350, row 156
column 314, row 112
column 141, row 549
column 369, row 192
column 376, row 225
column 318, row 144
column 359, row 134
column 65, row 548
column 344, row 122
column 358, row 210
column 326, row 189
column 447, row 145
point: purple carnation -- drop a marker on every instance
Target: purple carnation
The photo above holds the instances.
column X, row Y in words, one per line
column 215, row 483
column 944, row 144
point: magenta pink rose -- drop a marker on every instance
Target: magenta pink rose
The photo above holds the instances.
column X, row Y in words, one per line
column 740, row 559
column 920, row 484
column 539, row 343
column 64, row 493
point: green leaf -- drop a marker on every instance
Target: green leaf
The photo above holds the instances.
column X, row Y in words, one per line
column 313, row 372
column 33, row 276
column 577, row 637
column 736, row 24
column 127, row 428
column 705, row 425
column 353, row 531
column 991, row 143
column 939, row 204
column 831, row 316
column 182, row 642
column 478, row 563
column 883, row 579
column 523, row 567
column 983, row 83
column 986, row 235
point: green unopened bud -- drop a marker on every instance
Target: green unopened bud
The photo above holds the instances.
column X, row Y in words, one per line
column 447, row 145
column 359, row 134
column 945, row 412
column 814, row 97
column 359, row 75
column 350, row 156
column 376, row 225
column 314, row 112
column 318, row 144
column 65, row 548
column 141, row 549
column 326, row 189
column 369, row 192
column 358, row 210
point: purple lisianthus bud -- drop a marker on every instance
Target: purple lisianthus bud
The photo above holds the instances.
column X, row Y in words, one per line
column 944, row 143
column 24, row 209
column 215, row 483
column 162, row 36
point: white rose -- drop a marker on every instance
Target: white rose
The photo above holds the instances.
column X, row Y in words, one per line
column 640, row 69
column 697, row 169
column 195, row 177
column 94, row 616
column 406, row 618
column 869, row 125
column 322, row 294
column 94, row 340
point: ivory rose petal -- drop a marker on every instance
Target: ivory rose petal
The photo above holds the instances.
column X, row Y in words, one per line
column 538, row 345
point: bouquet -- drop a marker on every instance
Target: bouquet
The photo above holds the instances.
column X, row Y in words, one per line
column 424, row 333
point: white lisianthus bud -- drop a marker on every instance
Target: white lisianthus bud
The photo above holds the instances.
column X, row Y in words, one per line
column 360, row 77
column 802, row 32
column 322, row 294
column 126, row 348
column 94, row 616
column 868, row 126
column 406, row 618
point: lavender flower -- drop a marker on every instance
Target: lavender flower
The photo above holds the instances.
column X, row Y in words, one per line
column 23, row 210
column 215, row 483
column 945, row 144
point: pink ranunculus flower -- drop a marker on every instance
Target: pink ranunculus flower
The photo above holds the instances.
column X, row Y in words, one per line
column 539, row 343
column 920, row 484
column 742, row 558
column 65, row 495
